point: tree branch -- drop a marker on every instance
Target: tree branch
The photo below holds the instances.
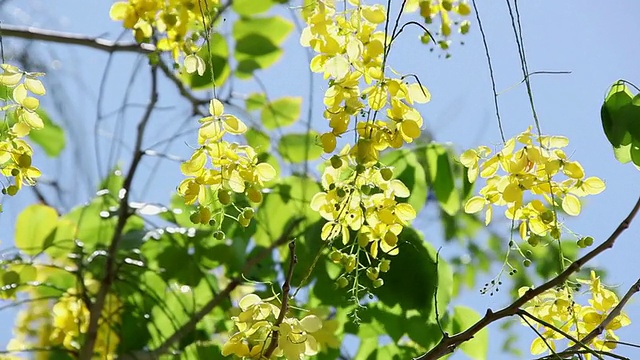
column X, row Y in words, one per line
column 32, row 33
column 124, row 212
column 286, row 287
column 449, row 344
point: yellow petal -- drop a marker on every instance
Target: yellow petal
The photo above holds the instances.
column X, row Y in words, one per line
column 265, row 172
column 375, row 14
column 405, row 212
column 337, row 67
column 35, row 86
column 593, row 185
column 233, row 125
column 410, row 128
column 216, row 108
column 248, row 300
column 474, row 205
column 571, row 205
column 419, row 93
column 311, row 323
column 328, row 141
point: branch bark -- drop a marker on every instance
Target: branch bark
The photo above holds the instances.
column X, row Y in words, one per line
column 124, row 212
column 448, row 345
column 60, row 37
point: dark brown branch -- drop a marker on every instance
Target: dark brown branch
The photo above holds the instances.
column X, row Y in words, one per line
column 449, row 344
column 286, row 287
column 32, row 33
column 124, row 212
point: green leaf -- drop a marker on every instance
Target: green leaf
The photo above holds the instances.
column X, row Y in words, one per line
column 251, row 7
column 217, row 59
column 258, row 42
column 258, row 140
column 463, row 318
column 35, row 226
column 614, row 122
column 255, row 101
column 441, row 178
column 288, row 199
column 281, row 112
column 297, row 148
column 50, row 138
column 408, row 169
column 418, row 258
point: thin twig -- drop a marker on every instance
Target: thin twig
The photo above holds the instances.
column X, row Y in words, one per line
column 522, row 312
column 32, row 33
column 448, row 345
column 124, row 212
column 612, row 315
column 284, row 307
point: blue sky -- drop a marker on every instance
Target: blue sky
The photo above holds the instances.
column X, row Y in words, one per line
column 594, row 41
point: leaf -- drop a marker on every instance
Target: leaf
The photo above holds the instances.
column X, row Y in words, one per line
column 216, row 60
column 281, row 112
column 258, row 42
column 441, row 178
column 255, row 101
column 408, row 169
column 287, row 200
column 251, row 7
column 34, row 226
column 50, row 138
column 297, row 148
column 418, row 258
column 258, row 140
column 463, row 318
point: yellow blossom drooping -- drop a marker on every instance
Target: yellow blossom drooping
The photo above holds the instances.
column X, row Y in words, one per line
column 529, row 171
column 297, row 338
column 15, row 153
column 558, row 306
column 219, row 168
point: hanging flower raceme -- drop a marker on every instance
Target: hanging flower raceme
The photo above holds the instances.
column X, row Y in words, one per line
column 22, row 110
column 531, row 170
column 219, row 168
column 558, row 306
column 350, row 51
column 297, row 338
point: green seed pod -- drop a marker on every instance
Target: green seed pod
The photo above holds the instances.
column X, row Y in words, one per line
column 24, row 161
column 12, row 190
column 248, row 213
column 336, row 162
column 526, row 262
column 342, row 282
column 219, row 235
column 224, row 197
column 336, row 256
column 195, row 217
column 588, row 240
column 386, row 173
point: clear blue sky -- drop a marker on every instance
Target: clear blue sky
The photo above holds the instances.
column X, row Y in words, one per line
column 596, row 41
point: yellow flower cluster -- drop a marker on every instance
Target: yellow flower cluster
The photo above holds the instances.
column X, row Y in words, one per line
column 170, row 21
column 234, row 168
column 556, row 306
column 350, row 50
column 363, row 201
column 15, row 153
column 71, row 320
column 297, row 339
column 531, row 170
column 66, row 323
